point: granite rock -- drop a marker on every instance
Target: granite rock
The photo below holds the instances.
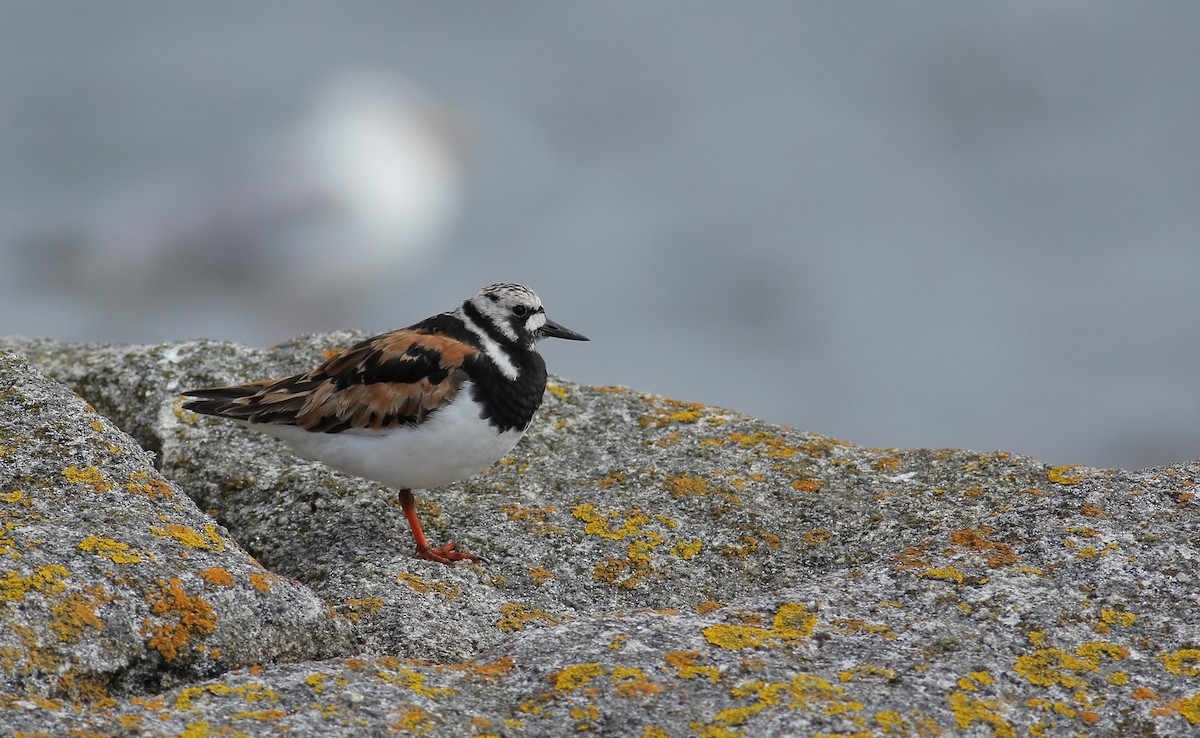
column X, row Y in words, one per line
column 112, row 581
column 659, row 568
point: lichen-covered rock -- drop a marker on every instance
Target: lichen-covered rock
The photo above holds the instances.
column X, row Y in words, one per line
column 659, row 568
column 111, row 580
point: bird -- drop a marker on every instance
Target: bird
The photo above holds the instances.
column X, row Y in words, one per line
column 414, row 408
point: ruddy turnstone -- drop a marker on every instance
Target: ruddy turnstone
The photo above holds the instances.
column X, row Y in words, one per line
column 418, row 407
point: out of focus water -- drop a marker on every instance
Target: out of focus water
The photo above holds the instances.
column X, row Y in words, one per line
column 916, row 224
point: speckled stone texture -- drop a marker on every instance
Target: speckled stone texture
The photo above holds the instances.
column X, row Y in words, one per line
column 654, row 568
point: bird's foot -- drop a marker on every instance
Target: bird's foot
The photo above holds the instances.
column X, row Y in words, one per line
column 445, row 554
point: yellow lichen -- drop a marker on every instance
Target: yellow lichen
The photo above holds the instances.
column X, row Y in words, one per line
column 249, row 692
column 450, row 592
column 114, row 551
column 209, row 540
column 90, row 476
column 1185, row 661
column 792, row 622
column 413, row 680
column 574, row 677
column 674, row 411
column 1060, row 475
column 687, row 549
column 968, row 711
column 1049, row 666
column 866, row 670
column 947, row 573
column 1117, row 617
column 47, row 579
column 515, row 616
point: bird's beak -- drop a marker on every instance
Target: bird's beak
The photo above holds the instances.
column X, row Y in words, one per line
column 554, row 330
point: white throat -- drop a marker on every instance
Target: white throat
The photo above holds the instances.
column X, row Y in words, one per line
column 494, row 351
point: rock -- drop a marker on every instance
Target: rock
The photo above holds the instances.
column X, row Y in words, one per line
column 111, row 580
column 660, row 568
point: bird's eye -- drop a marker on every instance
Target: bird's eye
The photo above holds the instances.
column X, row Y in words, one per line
column 520, row 310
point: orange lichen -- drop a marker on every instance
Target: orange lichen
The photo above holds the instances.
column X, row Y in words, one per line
column 912, row 557
column 887, row 463
column 411, row 720
column 772, row 445
column 184, row 616
column 77, row 612
column 1092, row 510
column 817, row 537
column 856, row 626
column 978, row 539
column 686, row 486
column 217, row 576
column 493, row 671
column 540, row 575
column 674, row 411
column 1188, row 707
column 807, row 485
column 685, row 663
column 631, row 683
column 141, row 483
column 537, row 517
column 260, row 581
column 708, row 606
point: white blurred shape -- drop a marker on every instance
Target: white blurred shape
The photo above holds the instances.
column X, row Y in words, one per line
column 361, row 191
column 388, row 162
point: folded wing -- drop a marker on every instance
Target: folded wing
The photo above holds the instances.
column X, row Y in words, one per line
column 393, row 380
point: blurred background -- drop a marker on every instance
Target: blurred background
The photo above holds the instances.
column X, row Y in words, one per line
column 905, row 224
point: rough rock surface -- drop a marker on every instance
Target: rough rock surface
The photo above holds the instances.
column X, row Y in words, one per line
column 111, row 579
column 654, row 568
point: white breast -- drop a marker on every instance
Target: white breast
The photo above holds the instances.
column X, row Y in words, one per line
column 452, row 444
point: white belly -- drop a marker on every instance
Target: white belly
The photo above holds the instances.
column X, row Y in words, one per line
column 452, row 444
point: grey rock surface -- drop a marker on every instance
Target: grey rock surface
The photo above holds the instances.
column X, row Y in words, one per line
column 111, row 579
column 653, row 568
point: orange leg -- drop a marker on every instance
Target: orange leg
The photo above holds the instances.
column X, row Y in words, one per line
column 444, row 554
